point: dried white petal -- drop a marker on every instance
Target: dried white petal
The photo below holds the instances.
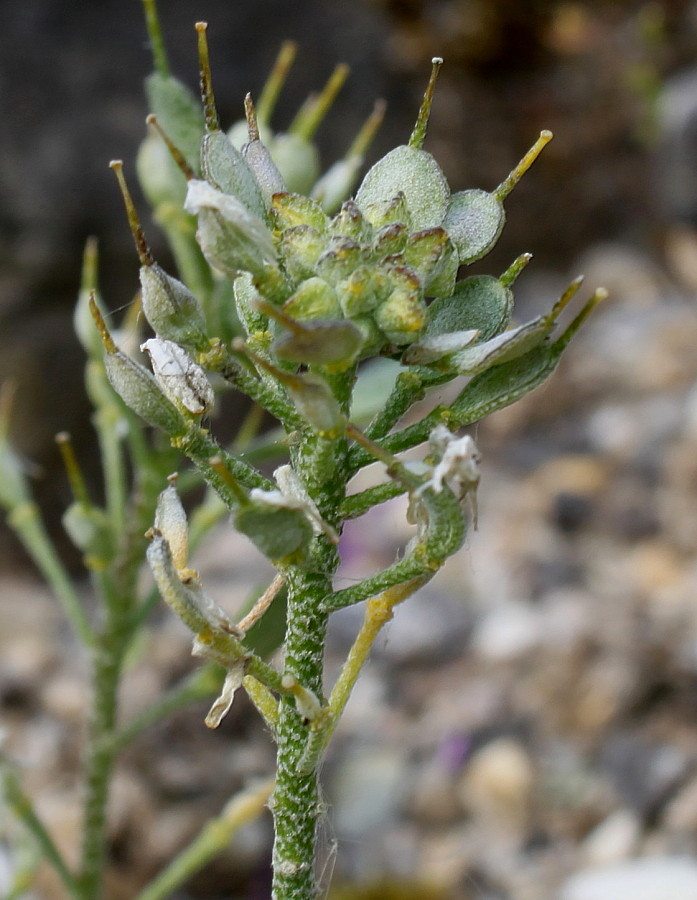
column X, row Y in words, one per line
column 221, row 707
column 181, row 379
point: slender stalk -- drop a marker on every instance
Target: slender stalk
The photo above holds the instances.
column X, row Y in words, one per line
column 26, row 522
column 23, row 809
column 212, row 839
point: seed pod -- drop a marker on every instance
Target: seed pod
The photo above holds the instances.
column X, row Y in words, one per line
column 475, row 218
column 321, row 343
column 479, row 302
column 169, row 306
column 181, row 379
column 171, row 522
column 514, row 343
column 316, row 404
column 259, row 159
column 89, row 528
column 178, row 111
column 339, row 180
column 232, row 238
column 276, row 530
column 226, row 169
column 410, row 169
column 314, row 299
column 297, row 160
column 474, row 221
column 135, row 385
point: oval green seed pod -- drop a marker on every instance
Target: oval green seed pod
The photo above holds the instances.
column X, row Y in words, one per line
column 226, row 169
column 171, row 308
column 321, row 343
column 89, row 529
column 259, row 159
column 160, row 178
column 297, row 160
column 474, row 221
column 316, row 404
column 276, row 531
column 139, row 391
column 480, row 302
column 231, row 237
column 171, row 522
column 417, row 174
column 179, row 112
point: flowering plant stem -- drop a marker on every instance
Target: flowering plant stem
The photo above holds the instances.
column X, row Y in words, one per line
column 294, row 280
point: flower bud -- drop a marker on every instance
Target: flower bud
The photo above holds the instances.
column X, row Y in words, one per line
column 365, row 289
column 432, row 256
column 314, row 299
column 401, row 317
column 301, row 247
column 390, row 239
column 290, row 210
column 341, row 259
column 387, row 212
column 349, row 222
column 181, row 379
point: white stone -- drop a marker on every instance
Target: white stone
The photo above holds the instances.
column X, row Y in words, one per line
column 660, row 878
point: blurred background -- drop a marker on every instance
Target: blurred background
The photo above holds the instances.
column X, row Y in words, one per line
column 530, row 719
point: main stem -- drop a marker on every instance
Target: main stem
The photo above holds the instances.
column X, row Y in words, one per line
column 296, row 806
column 107, row 660
column 295, row 801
